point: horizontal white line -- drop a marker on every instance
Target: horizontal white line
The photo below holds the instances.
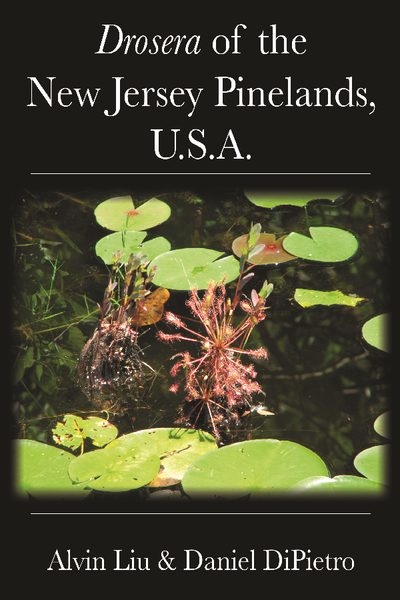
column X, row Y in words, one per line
column 199, row 513
column 183, row 173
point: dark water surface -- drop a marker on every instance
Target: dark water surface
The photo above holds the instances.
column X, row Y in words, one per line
column 323, row 386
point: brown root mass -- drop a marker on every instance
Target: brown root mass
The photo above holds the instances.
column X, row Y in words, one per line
column 110, row 371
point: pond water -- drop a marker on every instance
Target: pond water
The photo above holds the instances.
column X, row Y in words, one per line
column 323, row 386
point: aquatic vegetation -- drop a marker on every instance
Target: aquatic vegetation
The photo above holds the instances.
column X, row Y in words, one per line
column 73, row 432
column 218, row 384
column 272, row 253
column 41, row 471
column 373, row 462
column 223, row 331
column 154, row 457
column 261, row 468
column 267, row 198
column 184, row 268
column 336, row 488
column 130, row 242
column 326, row 244
column 382, row 424
column 110, row 369
column 313, row 297
column 120, row 214
column 46, row 333
column 376, row 332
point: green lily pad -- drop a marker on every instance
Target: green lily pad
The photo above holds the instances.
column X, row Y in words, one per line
column 341, row 485
column 42, row 471
column 312, row 297
column 184, row 268
column 176, row 448
column 326, row 244
column 120, row 213
column 375, row 332
column 272, row 253
column 373, row 463
column 259, row 467
column 271, row 198
column 130, row 242
column 382, row 424
column 75, row 430
column 114, row 469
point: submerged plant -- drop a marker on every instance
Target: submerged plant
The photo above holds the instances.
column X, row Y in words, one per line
column 110, row 370
column 218, row 383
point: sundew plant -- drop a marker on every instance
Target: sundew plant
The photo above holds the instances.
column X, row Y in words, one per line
column 218, row 383
column 272, row 374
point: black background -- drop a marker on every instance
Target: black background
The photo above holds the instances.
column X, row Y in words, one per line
column 61, row 42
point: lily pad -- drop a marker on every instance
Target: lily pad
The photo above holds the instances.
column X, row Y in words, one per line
column 312, row 297
column 176, row 448
column 114, row 469
column 42, row 471
column 341, row 485
column 184, row 268
column 259, row 467
column 128, row 242
column 382, row 424
column 120, row 213
column 375, row 332
column 274, row 198
column 272, row 253
column 326, row 244
column 373, row 463
column 75, row 430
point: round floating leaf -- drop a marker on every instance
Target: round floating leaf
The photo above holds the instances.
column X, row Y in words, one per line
column 375, row 332
column 271, row 198
column 260, row 467
column 312, row 297
column 186, row 267
column 272, row 252
column 382, row 424
column 120, row 213
column 130, row 242
column 176, row 448
column 326, row 244
column 373, row 463
column 341, row 485
column 42, row 471
column 114, row 469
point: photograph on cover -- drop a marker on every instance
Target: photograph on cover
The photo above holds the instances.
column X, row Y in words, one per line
column 204, row 344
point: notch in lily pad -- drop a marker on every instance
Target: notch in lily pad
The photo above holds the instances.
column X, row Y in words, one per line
column 176, row 447
column 326, row 244
column 120, row 214
column 271, row 251
column 184, row 268
column 128, row 242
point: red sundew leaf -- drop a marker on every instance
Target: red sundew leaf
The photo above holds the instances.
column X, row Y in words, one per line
column 272, row 253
